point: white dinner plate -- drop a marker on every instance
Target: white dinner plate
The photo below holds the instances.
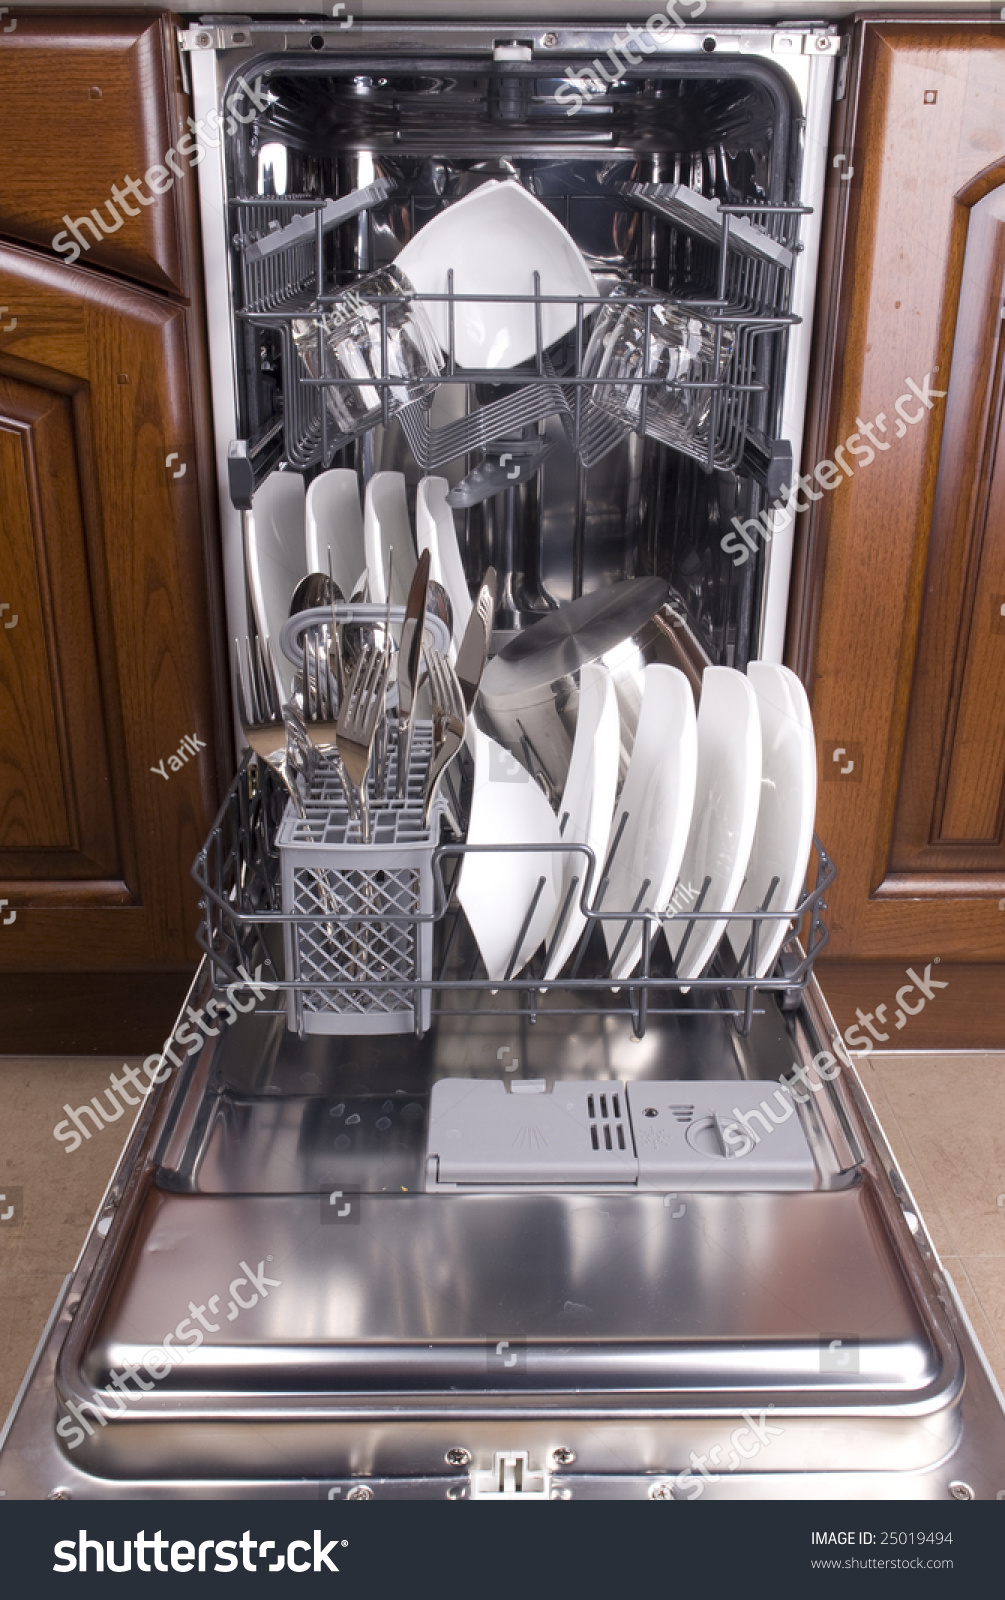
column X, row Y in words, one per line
column 726, row 800
column 435, row 532
column 276, row 558
column 784, row 834
column 335, row 523
column 587, row 804
column 494, row 239
column 386, row 527
column 496, row 891
column 657, row 797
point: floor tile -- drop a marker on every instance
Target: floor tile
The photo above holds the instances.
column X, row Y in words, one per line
column 950, row 1110
column 26, row 1299
column 904, row 1156
column 986, row 1278
column 57, row 1192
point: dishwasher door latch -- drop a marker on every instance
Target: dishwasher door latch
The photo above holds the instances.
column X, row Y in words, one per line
column 510, row 1478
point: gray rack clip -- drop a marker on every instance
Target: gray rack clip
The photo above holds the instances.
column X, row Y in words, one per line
column 304, row 228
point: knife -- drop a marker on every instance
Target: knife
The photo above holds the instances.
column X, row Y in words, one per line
column 409, row 658
column 474, row 649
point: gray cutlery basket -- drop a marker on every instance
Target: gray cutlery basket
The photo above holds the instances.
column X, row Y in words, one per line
column 363, row 934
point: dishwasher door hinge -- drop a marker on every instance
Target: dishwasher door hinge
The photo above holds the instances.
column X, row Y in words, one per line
column 510, row 1478
column 216, row 33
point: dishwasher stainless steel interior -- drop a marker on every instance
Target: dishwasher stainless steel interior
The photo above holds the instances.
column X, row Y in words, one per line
column 496, row 1316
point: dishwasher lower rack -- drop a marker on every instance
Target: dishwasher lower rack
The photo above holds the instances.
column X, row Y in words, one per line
column 436, row 970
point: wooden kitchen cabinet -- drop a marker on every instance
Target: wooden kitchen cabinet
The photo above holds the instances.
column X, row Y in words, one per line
column 112, row 659
column 899, row 603
column 86, row 103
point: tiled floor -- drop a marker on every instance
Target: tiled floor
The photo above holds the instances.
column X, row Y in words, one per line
column 944, row 1116
column 60, row 1193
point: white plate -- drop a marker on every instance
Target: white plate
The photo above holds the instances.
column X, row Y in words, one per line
column 588, row 802
column 335, row 523
column 386, row 527
column 276, row 557
column 784, row 834
column 726, row 800
column 658, row 796
column 435, row 532
column 496, row 891
column 494, row 239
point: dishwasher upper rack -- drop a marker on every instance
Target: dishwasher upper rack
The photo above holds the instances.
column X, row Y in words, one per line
column 746, row 294
column 243, row 926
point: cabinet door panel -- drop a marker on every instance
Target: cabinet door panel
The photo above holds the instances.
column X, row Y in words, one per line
column 88, row 102
column 949, row 816
column 53, row 817
column 901, row 573
column 110, row 667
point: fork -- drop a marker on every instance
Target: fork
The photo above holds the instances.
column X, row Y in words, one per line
column 357, row 723
column 449, row 720
column 281, row 739
column 262, row 720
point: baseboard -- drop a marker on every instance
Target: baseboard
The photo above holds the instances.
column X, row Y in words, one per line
column 968, row 1014
column 89, row 1013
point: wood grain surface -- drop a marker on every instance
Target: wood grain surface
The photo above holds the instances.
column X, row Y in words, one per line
column 110, row 666
column 87, row 102
column 900, row 570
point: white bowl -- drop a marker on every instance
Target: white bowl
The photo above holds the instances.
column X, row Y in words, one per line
column 496, row 890
column 726, row 798
column 658, row 797
column 435, row 532
column 784, row 835
column 494, row 239
column 335, row 524
column 587, row 805
column 275, row 552
column 386, row 527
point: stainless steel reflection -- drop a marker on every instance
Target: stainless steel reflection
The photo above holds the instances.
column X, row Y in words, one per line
column 529, row 697
column 644, row 1325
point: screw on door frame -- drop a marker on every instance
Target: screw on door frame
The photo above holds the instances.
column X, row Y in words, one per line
column 458, row 1457
column 661, row 1491
column 563, row 1456
column 362, row 1491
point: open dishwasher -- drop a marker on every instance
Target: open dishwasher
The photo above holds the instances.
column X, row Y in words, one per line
column 398, row 1223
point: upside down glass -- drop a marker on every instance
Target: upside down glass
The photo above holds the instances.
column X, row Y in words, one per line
column 351, row 337
column 681, row 348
